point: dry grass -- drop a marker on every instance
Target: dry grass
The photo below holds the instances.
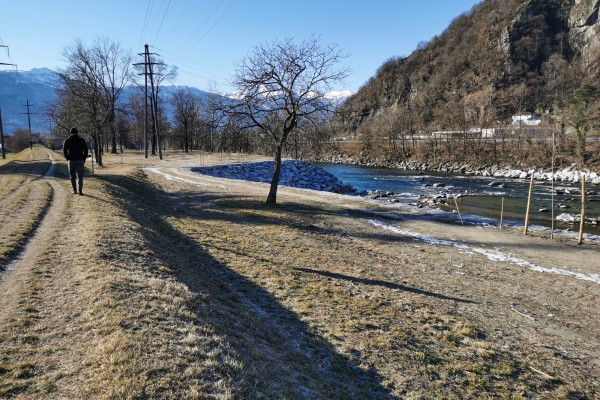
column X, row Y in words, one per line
column 173, row 291
column 9, row 158
column 21, row 216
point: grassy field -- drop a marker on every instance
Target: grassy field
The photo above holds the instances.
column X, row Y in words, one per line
column 156, row 288
column 9, row 158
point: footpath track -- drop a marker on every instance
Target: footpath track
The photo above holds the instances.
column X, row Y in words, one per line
column 46, row 199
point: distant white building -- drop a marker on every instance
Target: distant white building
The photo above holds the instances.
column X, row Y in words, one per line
column 490, row 132
column 526, row 119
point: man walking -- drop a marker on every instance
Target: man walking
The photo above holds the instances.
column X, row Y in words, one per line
column 75, row 150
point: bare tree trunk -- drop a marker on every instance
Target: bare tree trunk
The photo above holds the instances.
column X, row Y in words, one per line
column 113, row 132
column 272, row 198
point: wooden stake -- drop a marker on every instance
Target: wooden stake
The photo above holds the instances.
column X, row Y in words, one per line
column 582, row 210
column 457, row 209
column 542, row 373
column 502, row 213
column 528, row 205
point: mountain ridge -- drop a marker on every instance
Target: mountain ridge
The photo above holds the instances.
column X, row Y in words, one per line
column 38, row 85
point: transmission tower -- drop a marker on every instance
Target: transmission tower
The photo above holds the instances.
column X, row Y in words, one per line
column 148, row 72
column 1, row 130
column 29, row 113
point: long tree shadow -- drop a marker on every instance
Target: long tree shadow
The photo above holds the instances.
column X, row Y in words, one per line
column 25, row 168
column 235, row 206
column 283, row 356
column 389, row 285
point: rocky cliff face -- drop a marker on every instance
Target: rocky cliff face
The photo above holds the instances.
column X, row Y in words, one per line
column 503, row 57
column 584, row 26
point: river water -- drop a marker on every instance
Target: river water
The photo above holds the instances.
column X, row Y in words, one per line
column 479, row 198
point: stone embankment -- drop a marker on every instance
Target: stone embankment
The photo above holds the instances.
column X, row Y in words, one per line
column 568, row 174
column 294, row 173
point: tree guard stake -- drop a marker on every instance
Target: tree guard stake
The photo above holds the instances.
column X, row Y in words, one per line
column 458, row 210
column 528, row 205
column 582, row 210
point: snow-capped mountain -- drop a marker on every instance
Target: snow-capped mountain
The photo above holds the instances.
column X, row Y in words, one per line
column 16, row 88
column 43, row 76
column 337, row 98
column 38, row 85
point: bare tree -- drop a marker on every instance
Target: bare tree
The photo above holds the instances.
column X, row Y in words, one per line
column 187, row 111
column 92, row 83
column 113, row 76
column 283, row 85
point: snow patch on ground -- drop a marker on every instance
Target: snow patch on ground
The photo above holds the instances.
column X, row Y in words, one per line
column 178, row 179
column 492, row 255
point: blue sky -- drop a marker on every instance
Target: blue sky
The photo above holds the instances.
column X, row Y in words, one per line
column 205, row 38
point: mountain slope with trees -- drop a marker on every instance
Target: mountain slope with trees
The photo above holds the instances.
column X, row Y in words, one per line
column 502, row 58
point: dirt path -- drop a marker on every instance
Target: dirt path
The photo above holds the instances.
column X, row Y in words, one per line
column 17, row 272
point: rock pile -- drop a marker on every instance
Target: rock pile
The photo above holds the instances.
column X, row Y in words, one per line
column 576, row 219
column 431, row 200
column 294, row 173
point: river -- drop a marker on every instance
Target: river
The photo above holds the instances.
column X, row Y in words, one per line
column 479, row 198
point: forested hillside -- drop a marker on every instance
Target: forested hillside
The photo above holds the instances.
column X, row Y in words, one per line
column 502, row 58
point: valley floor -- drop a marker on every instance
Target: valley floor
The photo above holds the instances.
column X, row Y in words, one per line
column 162, row 283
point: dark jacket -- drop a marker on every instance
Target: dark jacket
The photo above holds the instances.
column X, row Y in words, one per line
column 75, row 148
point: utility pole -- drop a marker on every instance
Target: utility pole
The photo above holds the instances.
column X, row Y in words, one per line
column 154, row 105
column 51, row 136
column 145, row 63
column 14, row 65
column 1, row 129
column 153, row 100
column 2, row 136
column 28, row 114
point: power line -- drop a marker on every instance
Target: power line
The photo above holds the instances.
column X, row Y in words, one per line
column 161, row 23
column 202, row 26
column 148, row 11
column 234, row 1
column 16, row 70
column 198, row 76
column 176, row 22
column 158, row 16
column 8, row 54
column 193, row 62
column 8, row 108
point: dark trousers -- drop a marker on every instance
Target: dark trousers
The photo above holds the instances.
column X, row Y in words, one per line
column 76, row 172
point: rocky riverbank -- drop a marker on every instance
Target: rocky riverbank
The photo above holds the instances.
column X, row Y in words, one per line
column 303, row 175
column 294, row 173
column 568, row 174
